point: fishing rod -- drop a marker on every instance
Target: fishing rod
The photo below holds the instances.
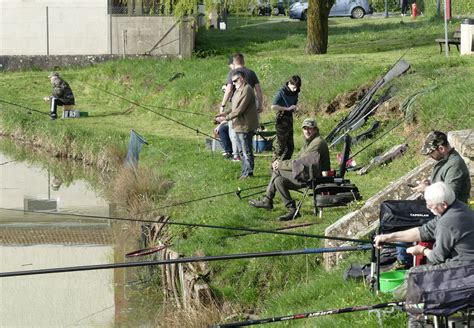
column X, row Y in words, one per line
column 24, row 107
column 406, row 105
column 152, row 111
column 177, row 110
column 198, row 225
column 186, row 260
column 396, row 70
column 311, row 314
column 237, row 192
column 302, row 225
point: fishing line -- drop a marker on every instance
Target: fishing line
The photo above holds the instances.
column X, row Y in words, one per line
column 177, row 110
column 198, row 225
column 152, row 111
column 24, row 107
column 186, row 260
column 310, row 314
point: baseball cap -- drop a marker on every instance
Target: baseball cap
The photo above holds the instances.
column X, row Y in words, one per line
column 432, row 141
column 309, row 123
column 53, row 74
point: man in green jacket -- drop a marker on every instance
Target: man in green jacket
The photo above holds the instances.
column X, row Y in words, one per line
column 282, row 177
column 450, row 168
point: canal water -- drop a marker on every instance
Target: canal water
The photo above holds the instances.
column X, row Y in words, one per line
column 31, row 241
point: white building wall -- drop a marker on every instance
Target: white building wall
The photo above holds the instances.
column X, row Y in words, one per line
column 75, row 27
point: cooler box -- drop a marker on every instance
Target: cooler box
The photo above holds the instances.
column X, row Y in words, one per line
column 260, row 144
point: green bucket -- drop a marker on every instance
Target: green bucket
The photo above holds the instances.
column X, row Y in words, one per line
column 391, row 280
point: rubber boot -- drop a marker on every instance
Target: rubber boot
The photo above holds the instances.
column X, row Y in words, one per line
column 291, row 214
column 263, row 202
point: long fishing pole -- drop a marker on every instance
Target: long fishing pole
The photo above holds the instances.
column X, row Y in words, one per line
column 237, row 192
column 177, row 110
column 186, row 260
column 407, row 103
column 24, row 107
column 367, row 98
column 198, row 225
column 152, row 111
column 313, row 314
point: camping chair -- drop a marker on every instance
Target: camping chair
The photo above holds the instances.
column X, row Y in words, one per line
column 398, row 215
column 442, row 293
column 333, row 190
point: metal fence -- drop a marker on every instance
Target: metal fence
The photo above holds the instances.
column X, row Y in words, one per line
column 145, row 8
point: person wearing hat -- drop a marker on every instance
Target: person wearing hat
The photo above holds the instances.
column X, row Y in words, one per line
column 61, row 94
column 282, row 176
column 449, row 168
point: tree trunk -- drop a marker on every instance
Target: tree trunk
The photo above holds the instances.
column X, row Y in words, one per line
column 318, row 26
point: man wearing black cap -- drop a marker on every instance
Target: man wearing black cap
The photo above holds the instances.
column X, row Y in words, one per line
column 282, row 177
column 450, row 167
column 61, row 94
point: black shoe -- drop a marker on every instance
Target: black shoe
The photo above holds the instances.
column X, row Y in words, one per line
column 290, row 215
column 263, row 202
column 53, row 116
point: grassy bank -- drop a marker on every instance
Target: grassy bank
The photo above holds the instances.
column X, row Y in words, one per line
column 359, row 53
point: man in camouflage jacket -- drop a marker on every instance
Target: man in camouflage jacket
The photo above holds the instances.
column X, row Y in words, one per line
column 61, row 94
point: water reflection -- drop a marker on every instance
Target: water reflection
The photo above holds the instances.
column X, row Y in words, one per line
column 30, row 241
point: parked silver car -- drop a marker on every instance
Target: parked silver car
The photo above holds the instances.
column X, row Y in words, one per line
column 351, row 8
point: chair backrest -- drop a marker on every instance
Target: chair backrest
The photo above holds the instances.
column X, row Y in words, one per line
column 345, row 155
column 397, row 215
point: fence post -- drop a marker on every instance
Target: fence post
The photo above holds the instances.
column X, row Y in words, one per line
column 124, row 37
column 47, row 30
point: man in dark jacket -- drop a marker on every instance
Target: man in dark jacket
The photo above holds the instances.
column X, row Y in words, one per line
column 283, row 179
column 450, row 168
column 61, row 94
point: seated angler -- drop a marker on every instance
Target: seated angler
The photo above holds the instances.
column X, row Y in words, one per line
column 61, row 94
column 452, row 229
column 283, row 180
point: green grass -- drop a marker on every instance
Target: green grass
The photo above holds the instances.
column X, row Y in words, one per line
column 359, row 54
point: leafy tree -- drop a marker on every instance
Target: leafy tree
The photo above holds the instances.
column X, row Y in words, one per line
column 318, row 26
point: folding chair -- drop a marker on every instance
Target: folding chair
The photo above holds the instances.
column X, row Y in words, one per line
column 398, row 215
column 333, row 190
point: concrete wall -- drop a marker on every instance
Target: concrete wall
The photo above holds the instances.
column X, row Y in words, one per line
column 71, row 27
column 152, row 35
column 83, row 27
column 359, row 223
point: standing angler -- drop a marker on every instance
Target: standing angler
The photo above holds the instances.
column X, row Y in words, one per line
column 284, row 104
column 244, row 120
column 61, row 94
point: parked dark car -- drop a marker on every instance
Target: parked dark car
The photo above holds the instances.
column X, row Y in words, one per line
column 341, row 8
